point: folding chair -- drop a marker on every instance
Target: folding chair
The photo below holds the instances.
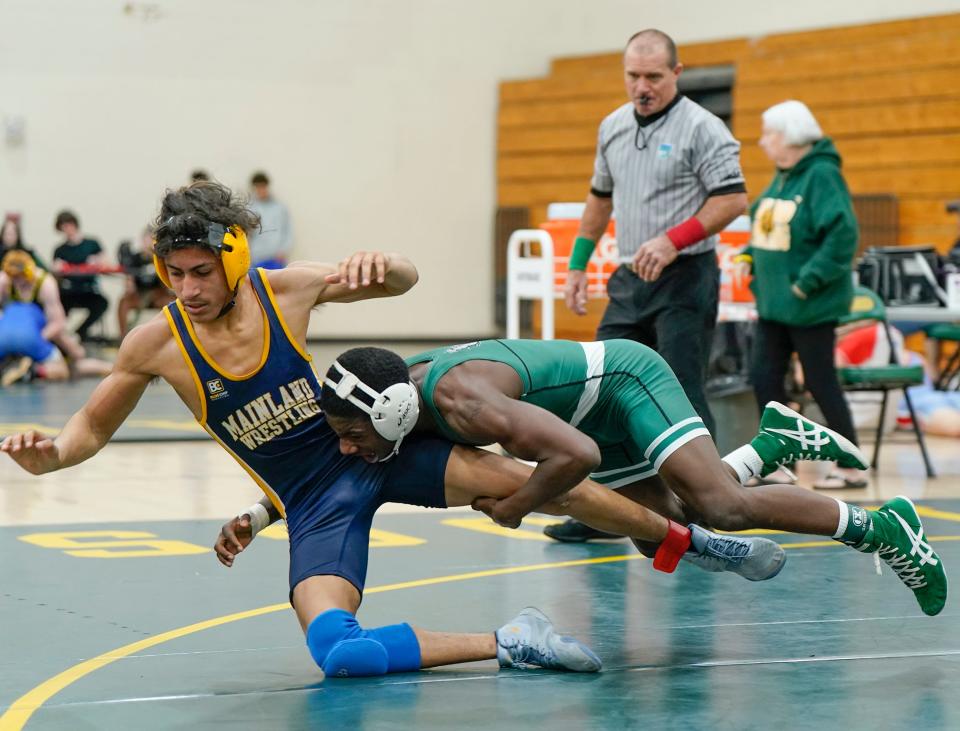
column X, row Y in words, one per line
column 867, row 306
column 947, row 333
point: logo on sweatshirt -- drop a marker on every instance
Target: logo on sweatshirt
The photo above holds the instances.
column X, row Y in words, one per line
column 771, row 224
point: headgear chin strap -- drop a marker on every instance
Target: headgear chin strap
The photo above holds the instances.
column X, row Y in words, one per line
column 394, row 411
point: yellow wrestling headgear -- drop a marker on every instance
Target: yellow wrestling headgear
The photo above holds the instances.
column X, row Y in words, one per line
column 230, row 243
column 19, row 263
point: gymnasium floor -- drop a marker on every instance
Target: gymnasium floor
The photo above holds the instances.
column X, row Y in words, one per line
column 114, row 614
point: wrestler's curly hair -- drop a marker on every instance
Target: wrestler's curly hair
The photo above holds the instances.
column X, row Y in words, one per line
column 377, row 367
column 186, row 214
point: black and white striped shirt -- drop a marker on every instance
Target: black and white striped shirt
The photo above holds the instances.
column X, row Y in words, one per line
column 660, row 170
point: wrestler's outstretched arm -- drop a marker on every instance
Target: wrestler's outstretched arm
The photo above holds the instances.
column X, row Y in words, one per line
column 91, row 427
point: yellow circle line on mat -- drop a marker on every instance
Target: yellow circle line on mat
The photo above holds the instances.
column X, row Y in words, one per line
column 23, row 708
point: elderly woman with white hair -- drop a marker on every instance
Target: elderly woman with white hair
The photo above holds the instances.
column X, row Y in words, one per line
column 803, row 240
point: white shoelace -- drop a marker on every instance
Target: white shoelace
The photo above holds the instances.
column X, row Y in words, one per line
column 814, row 437
column 903, row 564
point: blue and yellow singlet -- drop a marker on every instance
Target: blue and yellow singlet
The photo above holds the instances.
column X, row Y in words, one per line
column 268, row 419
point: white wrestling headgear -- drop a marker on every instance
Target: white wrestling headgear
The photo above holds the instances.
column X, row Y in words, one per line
column 394, row 411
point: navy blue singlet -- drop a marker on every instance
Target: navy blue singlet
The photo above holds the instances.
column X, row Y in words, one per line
column 270, row 421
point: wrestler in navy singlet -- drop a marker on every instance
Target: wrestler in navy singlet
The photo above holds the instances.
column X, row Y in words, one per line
column 270, row 421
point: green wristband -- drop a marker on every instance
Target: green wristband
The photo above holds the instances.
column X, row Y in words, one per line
column 582, row 251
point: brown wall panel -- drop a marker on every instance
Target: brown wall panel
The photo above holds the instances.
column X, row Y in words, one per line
column 538, row 213
column 926, row 212
column 556, row 139
column 887, row 92
column 542, row 167
column 932, row 49
column 942, row 237
column 892, row 88
column 605, row 63
column 872, row 119
column 534, row 192
column 552, row 113
column 876, row 151
column 785, row 43
column 757, row 181
column 921, row 180
column 575, row 87
column 569, row 326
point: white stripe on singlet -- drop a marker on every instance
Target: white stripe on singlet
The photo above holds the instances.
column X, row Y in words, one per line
column 668, row 432
column 618, row 470
column 591, row 387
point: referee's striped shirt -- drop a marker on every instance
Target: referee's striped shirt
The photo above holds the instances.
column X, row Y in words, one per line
column 661, row 169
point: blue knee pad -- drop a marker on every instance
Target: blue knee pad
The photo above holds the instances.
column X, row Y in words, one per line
column 356, row 659
column 343, row 649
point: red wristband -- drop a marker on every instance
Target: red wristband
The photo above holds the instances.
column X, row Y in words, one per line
column 672, row 548
column 687, row 233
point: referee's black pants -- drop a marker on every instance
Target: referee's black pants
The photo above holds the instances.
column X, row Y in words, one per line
column 675, row 315
column 772, row 347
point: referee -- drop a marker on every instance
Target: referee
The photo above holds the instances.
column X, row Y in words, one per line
column 671, row 170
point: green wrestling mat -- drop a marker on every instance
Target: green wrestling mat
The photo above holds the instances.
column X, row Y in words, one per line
column 159, row 416
column 154, row 633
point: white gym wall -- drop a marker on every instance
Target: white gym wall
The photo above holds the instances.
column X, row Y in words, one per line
column 374, row 118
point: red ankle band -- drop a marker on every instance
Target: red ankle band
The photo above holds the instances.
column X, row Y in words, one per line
column 672, row 548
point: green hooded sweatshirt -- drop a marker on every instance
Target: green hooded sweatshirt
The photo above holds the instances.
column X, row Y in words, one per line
column 804, row 232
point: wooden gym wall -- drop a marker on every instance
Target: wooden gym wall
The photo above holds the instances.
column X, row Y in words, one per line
column 888, row 93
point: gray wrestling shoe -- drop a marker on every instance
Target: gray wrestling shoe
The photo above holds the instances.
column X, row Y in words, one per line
column 529, row 640
column 755, row 559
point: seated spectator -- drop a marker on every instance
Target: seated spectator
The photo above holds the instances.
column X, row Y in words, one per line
column 270, row 248
column 11, row 238
column 867, row 346
column 143, row 287
column 33, row 324
column 78, row 290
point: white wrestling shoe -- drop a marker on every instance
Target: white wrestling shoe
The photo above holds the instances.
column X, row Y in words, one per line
column 529, row 640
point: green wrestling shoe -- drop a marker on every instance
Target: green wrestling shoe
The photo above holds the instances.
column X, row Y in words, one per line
column 786, row 436
column 897, row 537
